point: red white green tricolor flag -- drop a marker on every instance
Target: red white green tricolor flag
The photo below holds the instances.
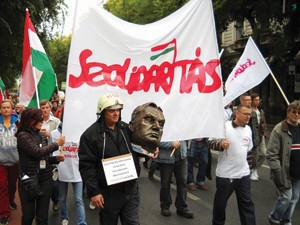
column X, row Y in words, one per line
column 2, row 90
column 38, row 77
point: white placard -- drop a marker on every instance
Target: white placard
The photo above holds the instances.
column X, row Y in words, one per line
column 119, row 169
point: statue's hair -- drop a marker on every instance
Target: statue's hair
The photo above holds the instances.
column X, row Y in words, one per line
column 137, row 111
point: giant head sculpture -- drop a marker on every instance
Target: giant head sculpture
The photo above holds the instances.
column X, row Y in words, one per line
column 146, row 126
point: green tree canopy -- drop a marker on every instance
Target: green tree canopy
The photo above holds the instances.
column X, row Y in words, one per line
column 267, row 20
column 143, row 11
column 45, row 14
column 59, row 48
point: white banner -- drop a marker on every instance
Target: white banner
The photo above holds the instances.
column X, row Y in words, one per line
column 172, row 62
column 250, row 70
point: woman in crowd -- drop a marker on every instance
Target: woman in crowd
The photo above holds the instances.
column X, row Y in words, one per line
column 34, row 159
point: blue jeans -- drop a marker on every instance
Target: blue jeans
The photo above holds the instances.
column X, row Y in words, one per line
column 199, row 150
column 285, row 204
column 225, row 188
column 179, row 168
column 63, row 207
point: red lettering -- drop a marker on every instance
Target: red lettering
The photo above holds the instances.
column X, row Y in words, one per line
column 163, row 76
column 197, row 73
column 120, row 74
column 70, row 149
column 140, row 79
column 242, row 68
column 86, row 76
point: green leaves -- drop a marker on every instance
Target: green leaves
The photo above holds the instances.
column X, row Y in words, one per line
column 58, row 54
column 44, row 15
column 143, row 11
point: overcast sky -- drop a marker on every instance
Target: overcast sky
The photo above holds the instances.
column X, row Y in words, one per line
column 71, row 10
column 69, row 19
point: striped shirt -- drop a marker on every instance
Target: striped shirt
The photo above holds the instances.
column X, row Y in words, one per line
column 295, row 152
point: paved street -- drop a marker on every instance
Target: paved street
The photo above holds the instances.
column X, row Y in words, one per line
column 199, row 202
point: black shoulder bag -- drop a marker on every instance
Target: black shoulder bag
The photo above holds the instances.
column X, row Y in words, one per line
column 32, row 186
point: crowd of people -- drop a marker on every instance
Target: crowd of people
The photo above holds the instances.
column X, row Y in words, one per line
column 32, row 146
column 26, row 152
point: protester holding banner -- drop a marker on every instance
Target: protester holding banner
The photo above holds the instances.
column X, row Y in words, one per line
column 197, row 152
column 172, row 158
column 283, row 155
column 68, row 172
column 104, row 148
column 35, row 161
column 233, row 173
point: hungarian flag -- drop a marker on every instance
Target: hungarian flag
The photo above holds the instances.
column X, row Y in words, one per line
column 38, row 77
column 2, row 90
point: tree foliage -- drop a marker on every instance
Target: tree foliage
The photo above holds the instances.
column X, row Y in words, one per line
column 267, row 20
column 45, row 14
column 59, row 48
column 143, row 11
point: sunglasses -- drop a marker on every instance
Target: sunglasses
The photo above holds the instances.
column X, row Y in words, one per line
column 295, row 112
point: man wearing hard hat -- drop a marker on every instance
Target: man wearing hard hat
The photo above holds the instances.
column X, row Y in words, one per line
column 108, row 165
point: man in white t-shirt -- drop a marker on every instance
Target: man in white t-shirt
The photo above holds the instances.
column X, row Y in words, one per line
column 233, row 173
column 68, row 172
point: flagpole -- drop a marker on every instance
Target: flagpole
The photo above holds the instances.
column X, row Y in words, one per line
column 36, row 88
column 221, row 53
column 56, row 84
column 276, row 82
column 34, row 78
column 274, row 78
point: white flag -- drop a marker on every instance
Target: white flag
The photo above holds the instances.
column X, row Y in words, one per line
column 250, row 71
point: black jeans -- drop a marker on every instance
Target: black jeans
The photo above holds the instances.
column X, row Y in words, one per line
column 179, row 168
column 225, row 188
column 36, row 208
column 55, row 192
column 153, row 167
column 120, row 204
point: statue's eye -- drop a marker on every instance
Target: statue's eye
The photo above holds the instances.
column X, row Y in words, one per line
column 148, row 119
column 161, row 124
